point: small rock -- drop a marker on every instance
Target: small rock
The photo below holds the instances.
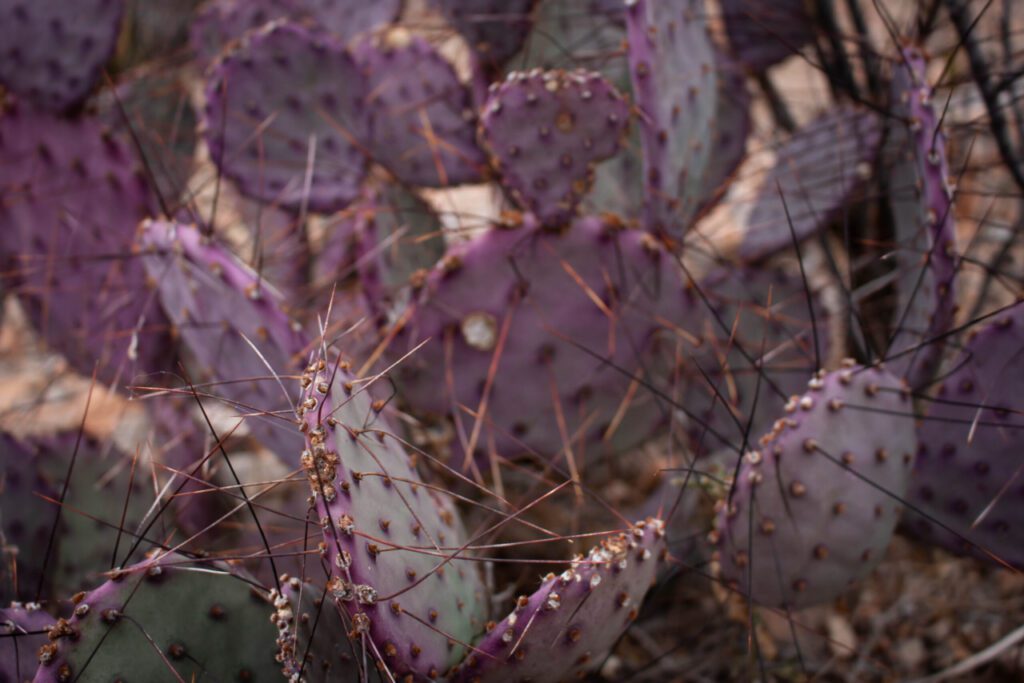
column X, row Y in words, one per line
column 842, row 641
column 911, row 653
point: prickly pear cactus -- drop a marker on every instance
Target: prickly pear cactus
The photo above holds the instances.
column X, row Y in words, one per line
column 169, row 617
column 387, row 236
column 155, row 104
column 395, row 547
column 569, row 34
column 922, row 204
column 283, row 113
column 568, row 624
column 672, row 64
column 547, row 130
column 23, row 630
column 760, row 344
column 25, row 520
column 220, row 23
column 815, row 504
column 346, row 19
column 231, row 322
column 312, row 640
column 816, row 175
column 966, row 481
column 54, row 50
column 520, row 303
column 423, row 128
column 101, row 513
column 71, row 196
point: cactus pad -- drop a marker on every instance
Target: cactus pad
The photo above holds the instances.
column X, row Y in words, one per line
column 95, row 518
column 803, row 522
column 167, row 613
column 423, row 129
column 216, row 303
column 348, row 18
column 53, row 50
column 816, row 175
column 23, row 629
column 222, row 22
column 395, row 546
column 967, row 475
column 71, row 197
column 569, row 34
column 284, row 98
column 594, row 285
column 395, row 235
column 155, row 104
column 312, row 642
column 547, row 130
column 922, row 202
column 25, row 519
column 568, row 625
column 672, row 63
column 760, row 345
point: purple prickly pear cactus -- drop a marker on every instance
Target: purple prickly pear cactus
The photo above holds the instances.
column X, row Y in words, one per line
column 394, row 236
column 815, row 504
column 23, row 630
column 312, row 642
column 153, row 30
column 423, row 128
column 71, row 196
column 167, row 618
column 922, row 203
column 25, row 520
column 732, row 128
column 232, row 323
column 568, row 34
column 222, row 22
column 672, row 64
column 760, row 345
column 568, row 624
column 816, row 175
column 518, row 303
column 100, row 511
column 155, row 105
column 763, row 34
column 547, row 130
column 967, row 480
column 396, row 548
column 180, row 444
column 283, row 115
column 53, row 50
column 348, row 18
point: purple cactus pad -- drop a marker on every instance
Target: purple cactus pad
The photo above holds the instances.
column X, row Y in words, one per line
column 283, row 115
column 424, row 126
column 526, row 300
column 53, row 50
column 547, row 130
column 816, row 175
column 814, row 507
column 568, row 624
column 968, row 472
column 396, row 547
column 71, row 197
column 922, row 203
